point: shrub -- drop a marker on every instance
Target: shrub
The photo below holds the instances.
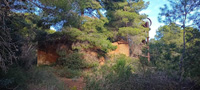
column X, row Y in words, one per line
column 73, row 60
column 126, row 74
column 15, row 77
column 112, row 73
column 36, row 78
column 71, row 65
column 121, row 68
column 43, row 78
column 69, row 73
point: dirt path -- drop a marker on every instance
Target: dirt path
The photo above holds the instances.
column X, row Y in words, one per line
column 74, row 84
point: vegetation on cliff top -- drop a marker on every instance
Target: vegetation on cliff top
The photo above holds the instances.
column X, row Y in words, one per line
column 95, row 24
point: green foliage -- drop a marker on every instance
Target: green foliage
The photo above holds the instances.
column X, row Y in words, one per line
column 72, row 61
column 50, row 31
column 69, row 73
column 180, row 13
column 93, row 4
column 18, row 33
column 166, row 51
column 34, row 78
column 43, row 77
column 120, row 4
column 74, row 33
column 121, row 68
column 129, row 30
column 89, row 32
column 124, row 18
column 61, row 4
column 93, row 25
column 13, row 78
column 21, row 33
column 92, row 34
column 140, row 5
column 120, row 75
column 130, row 15
column 71, row 65
column 69, row 11
column 192, row 58
column 62, row 59
column 165, row 57
column 170, row 34
column 112, row 73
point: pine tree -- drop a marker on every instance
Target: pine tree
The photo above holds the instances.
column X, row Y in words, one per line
column 166, row 49
column 181, row 11
column 124, row 16
column 126, row 22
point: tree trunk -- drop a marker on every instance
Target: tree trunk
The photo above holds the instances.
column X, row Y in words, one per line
column 183, row 53
column 182, row 57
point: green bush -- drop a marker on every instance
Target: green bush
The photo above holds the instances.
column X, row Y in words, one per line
column 14, row 77
column 71, row 65
column 124, row 73
column 73, row 60
column 121, row 68
column 69, row 73
column 112, row 73
column 36, row 78
column 43, row 78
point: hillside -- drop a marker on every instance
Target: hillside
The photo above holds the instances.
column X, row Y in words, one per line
column 98, row 45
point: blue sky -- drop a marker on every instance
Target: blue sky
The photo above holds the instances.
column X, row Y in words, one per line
column 152, row 12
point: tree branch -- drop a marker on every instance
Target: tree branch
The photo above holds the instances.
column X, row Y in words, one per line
column 7, row 4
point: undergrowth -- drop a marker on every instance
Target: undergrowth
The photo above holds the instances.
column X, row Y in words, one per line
column 72, row 65
column 124, row 73
column 36, row 78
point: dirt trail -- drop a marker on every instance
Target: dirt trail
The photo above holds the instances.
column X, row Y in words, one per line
column 74, row 84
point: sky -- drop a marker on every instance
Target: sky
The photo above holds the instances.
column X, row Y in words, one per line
column 152, row 11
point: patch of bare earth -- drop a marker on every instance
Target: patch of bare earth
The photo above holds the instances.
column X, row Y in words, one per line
column 74, row 83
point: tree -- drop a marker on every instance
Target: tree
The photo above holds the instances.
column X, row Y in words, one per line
column 169, row 34
column 165, row 48
column 84, row 22
column 124, row 16
column 192, row 52
column 19, row 34
column 181, row 12
column 7, row 44
column 126, row 22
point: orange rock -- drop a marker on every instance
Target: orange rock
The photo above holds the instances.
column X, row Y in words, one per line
column 122, row 48
column 47, row 57
column 101, row 60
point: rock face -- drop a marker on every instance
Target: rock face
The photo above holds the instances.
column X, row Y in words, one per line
column 122, row 48
column 91, row 55
column 47, row 55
